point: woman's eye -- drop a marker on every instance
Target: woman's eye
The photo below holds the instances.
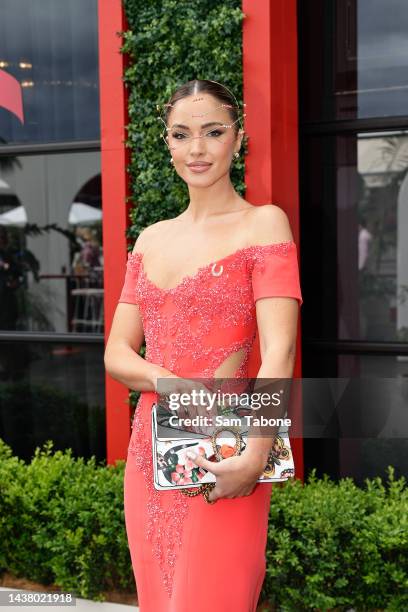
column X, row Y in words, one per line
column 177, row 134
column 214, row 133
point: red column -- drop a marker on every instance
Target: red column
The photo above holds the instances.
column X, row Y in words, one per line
column 270, row 77
column 114, row 160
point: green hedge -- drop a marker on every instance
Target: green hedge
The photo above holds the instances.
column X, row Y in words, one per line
column 329, row 544
column 168, row 43
column 62, row 522
column 335, row 544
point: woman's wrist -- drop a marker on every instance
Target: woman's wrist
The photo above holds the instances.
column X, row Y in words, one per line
column 256, row 457
column 157, row 372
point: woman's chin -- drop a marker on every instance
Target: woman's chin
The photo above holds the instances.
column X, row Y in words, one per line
column 204, row 179
column 199, row 179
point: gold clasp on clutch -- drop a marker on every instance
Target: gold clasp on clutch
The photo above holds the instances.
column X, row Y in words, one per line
column 223, row 453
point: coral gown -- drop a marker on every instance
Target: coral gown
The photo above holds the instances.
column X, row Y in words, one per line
column 187, row 554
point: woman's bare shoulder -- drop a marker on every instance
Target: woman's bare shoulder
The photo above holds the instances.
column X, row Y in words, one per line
column 150, row 234
column 269, row 223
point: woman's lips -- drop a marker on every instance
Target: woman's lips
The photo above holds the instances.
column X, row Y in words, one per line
column 199, row 168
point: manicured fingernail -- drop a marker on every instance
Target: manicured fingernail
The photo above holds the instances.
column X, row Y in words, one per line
column 191, row 455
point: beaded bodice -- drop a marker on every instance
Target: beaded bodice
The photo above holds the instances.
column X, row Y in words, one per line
column 192, row 329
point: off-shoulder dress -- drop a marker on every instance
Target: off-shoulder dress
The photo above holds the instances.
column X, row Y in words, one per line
column 187, row 554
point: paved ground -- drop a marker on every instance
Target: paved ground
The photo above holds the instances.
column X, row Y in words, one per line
column 82, row 605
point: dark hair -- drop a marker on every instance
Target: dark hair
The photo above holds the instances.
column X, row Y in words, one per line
column 217, row 90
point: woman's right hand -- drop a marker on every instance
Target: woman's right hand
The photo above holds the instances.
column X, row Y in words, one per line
column 181, row 385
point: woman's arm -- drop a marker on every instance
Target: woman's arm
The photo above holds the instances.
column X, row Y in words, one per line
column 277, row 324
column 277, row 321
column 121, row 358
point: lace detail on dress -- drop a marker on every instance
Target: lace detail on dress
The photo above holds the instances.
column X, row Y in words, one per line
column 164, row 527
column 134, row 260
column 258, row 254
column 128, row 293
column 177, row 320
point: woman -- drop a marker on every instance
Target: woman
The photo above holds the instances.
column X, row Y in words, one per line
column 198, row 288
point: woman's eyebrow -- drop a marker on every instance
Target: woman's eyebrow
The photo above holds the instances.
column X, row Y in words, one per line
column 185, row 127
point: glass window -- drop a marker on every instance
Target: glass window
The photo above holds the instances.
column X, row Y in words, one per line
column 52, row 392
column 354, row 59
column 388, row 420
column 51, row 257
column 50, row 49
column 375, row 402
column 355, row 211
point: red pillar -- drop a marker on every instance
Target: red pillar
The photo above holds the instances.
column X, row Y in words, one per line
column 114, row 160
column 270, row 78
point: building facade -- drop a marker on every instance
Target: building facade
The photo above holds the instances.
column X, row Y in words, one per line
column 326, row 78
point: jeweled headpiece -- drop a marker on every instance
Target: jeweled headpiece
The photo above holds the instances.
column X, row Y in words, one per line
column 178, row 134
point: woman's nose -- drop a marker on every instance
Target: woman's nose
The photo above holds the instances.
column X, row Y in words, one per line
column 197, row 143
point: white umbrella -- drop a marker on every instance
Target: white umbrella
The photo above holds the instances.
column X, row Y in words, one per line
column 16, row 216
column 83, row 213
column 5, row 187
column 79, row 213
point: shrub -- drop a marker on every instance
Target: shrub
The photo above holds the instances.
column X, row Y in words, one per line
column 329, row 544
column 335, row 544
column 62, row 522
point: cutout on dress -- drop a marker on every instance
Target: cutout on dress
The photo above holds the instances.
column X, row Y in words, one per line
column 231, row 364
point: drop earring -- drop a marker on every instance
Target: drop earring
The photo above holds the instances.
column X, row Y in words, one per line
column 171, row 160
column 236, row 154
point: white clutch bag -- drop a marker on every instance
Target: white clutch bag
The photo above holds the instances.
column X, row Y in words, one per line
column 174, row 470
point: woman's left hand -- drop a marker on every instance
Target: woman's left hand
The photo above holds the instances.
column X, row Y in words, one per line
column 235, row 476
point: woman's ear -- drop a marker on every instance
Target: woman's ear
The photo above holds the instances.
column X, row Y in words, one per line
column 240, row 136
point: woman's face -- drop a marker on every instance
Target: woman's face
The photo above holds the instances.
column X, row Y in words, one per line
column 195, row 116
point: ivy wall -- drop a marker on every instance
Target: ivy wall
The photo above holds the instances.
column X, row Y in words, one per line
column 167, row 43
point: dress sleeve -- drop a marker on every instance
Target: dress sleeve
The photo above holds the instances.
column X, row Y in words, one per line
column 275, row 271
column 129, row 289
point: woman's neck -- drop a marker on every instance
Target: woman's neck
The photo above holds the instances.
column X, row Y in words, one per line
column 211, row 201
